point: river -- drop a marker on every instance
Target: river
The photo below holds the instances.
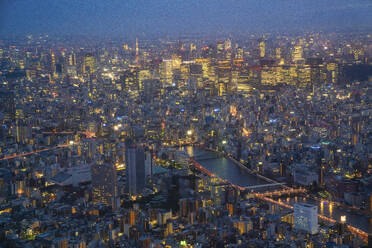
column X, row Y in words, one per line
column 225, row 168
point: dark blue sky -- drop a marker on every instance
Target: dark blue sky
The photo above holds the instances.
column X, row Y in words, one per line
column 133, row 17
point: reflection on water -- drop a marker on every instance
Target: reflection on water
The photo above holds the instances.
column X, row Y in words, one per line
column 228, row 170
column 224, row 168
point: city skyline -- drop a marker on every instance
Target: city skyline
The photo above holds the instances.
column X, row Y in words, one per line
column 185, row 124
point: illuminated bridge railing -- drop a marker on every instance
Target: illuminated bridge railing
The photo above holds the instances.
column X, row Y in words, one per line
column 206, row 156
column 264, row 185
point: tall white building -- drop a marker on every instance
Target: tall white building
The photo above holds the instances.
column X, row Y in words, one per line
column 305, row 217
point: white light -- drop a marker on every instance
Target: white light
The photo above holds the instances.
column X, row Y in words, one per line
column 343, row 218
column 71, row 142
column 224, row 142
column 189, row 132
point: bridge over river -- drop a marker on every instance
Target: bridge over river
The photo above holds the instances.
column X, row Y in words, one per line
column 235, row 173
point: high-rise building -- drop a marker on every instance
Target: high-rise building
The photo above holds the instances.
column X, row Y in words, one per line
column 137, row 51
column 305, row 217
column 88, row 65
column 72, row 59
column 166, row 71
column 262, row 48
column 7, row 105
column 278, row 53
column 297, row 54
column 104, row 183
column 135, row 159
column 151, row 89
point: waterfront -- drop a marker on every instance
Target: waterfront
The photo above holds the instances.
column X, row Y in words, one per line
column 226, row 169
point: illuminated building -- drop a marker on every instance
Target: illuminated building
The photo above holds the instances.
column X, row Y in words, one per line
column 166, row 71
column 192, row 47
column 104, row 184
column 262, row 48
column 278, row 53
column 53, row 62
column 143, row 75
column 268, row 75
column 305, row 217
column 72, row 59
column 297, row 55
column 220, row 48
column 137, row 51
column 88, row 65
column 332, row 69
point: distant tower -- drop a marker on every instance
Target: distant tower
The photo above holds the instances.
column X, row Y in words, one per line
column 137, row 51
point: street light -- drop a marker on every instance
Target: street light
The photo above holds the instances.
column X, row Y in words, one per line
column 224, row 142
column 189, row 132
column 71, row 142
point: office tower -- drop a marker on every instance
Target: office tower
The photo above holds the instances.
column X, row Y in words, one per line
column 148, row 164
column 135, row 159
column 278, row 53
column 88, row 65
column 305, row 217
column 72, row 59
column 104, row 184
column 151, row 89
column 7, row 105
column 262, row 48
column 297, row 55
column 192, row 47
column 143, row 75
column 53, row 62
column 137, row 51
column 228, row 45
column 166, row 71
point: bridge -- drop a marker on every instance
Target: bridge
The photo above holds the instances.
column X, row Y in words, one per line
column 20, row 155
column 264, row 185
column 206, row 156
column 363, row 235
column 281, row 192
column 288, row 190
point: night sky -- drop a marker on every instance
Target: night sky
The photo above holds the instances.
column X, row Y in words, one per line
column 135, row 17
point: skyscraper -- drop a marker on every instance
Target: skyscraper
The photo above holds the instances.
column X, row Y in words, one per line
column 297, row 54
column 305, row 217
column 7, row 105
column 104, row 183
column 89, row 64
column 262, row 48
column 135, row 159
column 151, row 89
column 137, row 51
